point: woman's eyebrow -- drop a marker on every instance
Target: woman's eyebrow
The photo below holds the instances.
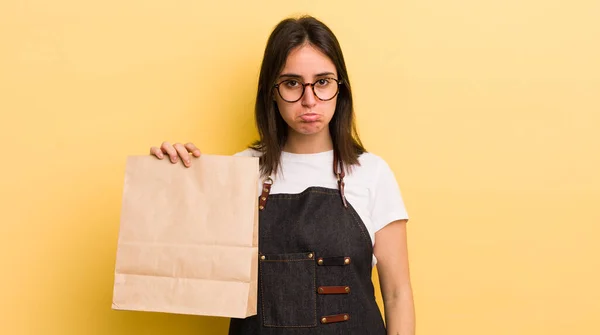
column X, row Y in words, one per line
column 323, row 74
column 290, row 75
column 293, row 75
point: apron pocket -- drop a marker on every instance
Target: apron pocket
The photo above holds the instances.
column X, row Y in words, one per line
column 288, row 290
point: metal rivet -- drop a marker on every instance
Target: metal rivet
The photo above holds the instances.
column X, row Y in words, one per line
column 310, row 255
column 265, row 190
column 347, row 289
column 261, row 207
column 345, row 316
column 324, row 320
column 320, row 261
column 263, row 198
column 321, row 290
column 347, row 261
column 263, row 257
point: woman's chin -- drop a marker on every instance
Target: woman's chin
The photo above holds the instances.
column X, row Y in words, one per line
column 308, row 128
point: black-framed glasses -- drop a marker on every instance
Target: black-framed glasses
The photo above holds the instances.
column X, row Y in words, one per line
column 324, row 89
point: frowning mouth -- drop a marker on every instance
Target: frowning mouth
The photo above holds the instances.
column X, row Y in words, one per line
column 310, row 117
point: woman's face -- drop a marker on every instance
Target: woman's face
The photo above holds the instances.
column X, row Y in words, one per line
column 309, row 115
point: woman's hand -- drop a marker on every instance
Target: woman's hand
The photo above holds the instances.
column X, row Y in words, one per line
column 176, row 152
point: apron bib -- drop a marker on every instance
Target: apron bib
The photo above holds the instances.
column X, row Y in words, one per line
column 315, row 267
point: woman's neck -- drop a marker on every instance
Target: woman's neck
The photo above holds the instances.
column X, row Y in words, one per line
column 308, row 144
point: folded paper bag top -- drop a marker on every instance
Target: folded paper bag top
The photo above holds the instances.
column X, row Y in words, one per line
column 188, row 237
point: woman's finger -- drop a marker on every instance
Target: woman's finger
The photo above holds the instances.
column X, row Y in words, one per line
column 168, row 149
column 193, row 149
column 183, row 153
column 157, row 152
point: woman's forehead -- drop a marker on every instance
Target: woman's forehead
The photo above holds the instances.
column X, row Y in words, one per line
column 307, row 61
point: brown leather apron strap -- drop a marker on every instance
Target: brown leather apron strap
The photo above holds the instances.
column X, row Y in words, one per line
column 335, row 318
column 333, row 261
column 266, row 189
column 333, row 289
column 338, row 170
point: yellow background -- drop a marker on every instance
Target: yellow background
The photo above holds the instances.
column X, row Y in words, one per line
column 487, row 111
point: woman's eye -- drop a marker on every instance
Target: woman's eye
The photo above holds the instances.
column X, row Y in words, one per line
column 291, row 83
column 322, row 82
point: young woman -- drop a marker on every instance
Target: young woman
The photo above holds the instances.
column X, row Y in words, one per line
column 328, row 211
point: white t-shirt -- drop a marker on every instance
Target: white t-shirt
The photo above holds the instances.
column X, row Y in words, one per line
column 371, row 188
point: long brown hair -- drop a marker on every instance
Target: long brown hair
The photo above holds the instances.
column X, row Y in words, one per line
column 272, row 129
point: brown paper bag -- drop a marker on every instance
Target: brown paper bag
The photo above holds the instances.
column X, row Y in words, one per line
column 188, row 239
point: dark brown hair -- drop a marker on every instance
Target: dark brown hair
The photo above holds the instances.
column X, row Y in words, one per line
column 272, row 129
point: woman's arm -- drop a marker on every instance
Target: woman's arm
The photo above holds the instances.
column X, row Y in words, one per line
column 394, row 278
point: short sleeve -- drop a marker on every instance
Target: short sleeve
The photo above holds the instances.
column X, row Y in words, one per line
column 386, row 201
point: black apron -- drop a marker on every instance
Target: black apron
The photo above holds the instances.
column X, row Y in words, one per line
column 315, row 257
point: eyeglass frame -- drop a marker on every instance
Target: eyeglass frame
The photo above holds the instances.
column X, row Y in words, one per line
column 312, row 85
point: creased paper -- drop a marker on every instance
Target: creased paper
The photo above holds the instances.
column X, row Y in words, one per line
column 188, row 237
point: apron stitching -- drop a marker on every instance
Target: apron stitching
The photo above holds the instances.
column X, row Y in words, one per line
column 296, row 196
column 315, row 291
column 262, row 300
column 284, row 260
